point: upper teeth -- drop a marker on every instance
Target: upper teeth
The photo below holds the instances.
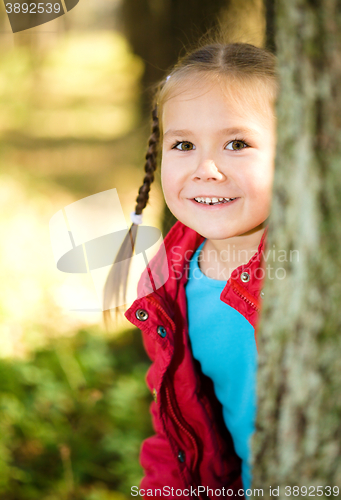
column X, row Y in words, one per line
column 212, row 200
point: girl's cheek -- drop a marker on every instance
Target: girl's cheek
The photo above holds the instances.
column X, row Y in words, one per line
column 166, row 178
column 163, row 171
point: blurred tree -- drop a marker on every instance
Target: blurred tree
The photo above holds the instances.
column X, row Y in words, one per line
column 159, row 31
column 270, row 25
column 298, row 431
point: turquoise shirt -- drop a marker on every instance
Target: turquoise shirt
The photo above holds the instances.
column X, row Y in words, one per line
column 223, row 342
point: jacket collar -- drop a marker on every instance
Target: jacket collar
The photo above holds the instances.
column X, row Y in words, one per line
column 168, row 270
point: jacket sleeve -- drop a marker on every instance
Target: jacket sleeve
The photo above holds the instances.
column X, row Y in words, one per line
column 161, row 468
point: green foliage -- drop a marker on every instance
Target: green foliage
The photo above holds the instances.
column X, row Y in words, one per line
column 72, row 419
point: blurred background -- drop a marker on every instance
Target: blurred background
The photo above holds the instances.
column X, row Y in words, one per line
column 75, row 98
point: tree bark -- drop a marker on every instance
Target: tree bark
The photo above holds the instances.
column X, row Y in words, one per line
column 298, row 432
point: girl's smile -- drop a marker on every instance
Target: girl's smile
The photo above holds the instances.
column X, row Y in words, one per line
column 211, row 204
column 214, row 148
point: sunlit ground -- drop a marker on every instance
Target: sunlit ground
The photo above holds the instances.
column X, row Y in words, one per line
column 69, row 130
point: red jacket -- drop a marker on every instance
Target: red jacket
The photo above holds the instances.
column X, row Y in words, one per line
column 192, row 446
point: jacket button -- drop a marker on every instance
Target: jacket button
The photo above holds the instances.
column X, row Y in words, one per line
column 245, row 277
column 141, row 314
column 181, row 456
column 161, row 331
column 154, row 395
column 262, row 294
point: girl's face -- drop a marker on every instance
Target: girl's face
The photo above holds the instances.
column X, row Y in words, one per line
column 215, row 148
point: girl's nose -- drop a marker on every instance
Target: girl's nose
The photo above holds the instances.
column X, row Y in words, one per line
column 208, row 170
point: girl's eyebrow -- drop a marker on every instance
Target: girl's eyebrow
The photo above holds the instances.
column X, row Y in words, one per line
column 230, row 130
column 240, row 130
column 177, row 132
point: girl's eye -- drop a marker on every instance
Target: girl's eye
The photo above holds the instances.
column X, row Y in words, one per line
column 236, row 145
column 185, row 146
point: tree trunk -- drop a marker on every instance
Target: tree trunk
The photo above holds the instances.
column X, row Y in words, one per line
column 298, row 432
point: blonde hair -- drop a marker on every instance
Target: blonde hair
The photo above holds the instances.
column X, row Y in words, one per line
column 249, row 72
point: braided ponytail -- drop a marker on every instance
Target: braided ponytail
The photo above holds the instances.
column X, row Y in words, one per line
column 115, row 286
column 150, row 165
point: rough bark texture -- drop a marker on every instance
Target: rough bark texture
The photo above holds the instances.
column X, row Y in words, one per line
column 298, row 429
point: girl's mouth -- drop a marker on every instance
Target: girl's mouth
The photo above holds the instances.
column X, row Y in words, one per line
column 213, row 201
column 212, row 205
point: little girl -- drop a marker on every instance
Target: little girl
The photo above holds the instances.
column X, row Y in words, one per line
column 214, row 117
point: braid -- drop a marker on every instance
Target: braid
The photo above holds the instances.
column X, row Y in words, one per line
column 150, row 165
column 116, row 283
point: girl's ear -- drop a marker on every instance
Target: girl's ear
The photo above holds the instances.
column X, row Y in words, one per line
column 116, row 283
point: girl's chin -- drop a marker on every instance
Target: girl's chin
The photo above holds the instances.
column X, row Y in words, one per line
column 215, row 233
column 224, row 230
